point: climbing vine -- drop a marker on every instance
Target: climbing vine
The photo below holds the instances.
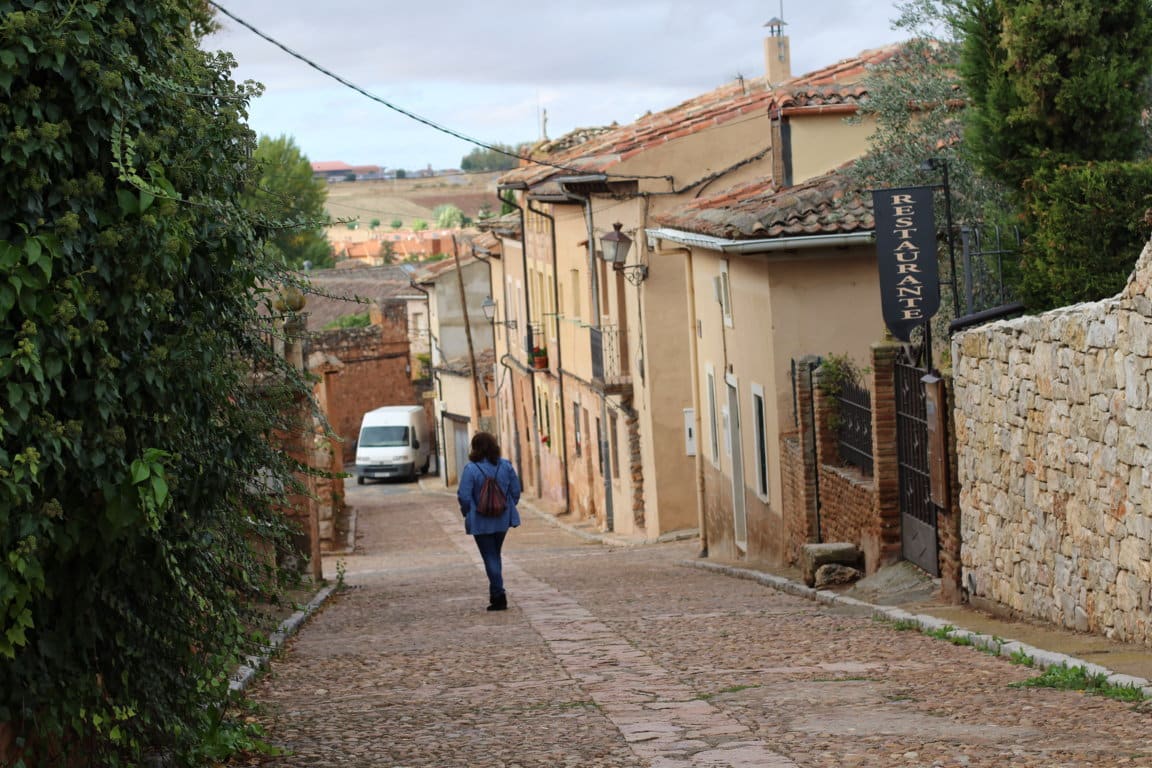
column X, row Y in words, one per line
column 138, row 391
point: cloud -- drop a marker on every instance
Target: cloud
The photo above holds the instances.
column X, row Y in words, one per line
column 487, row 70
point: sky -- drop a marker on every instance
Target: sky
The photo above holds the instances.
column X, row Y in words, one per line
column 492, row 71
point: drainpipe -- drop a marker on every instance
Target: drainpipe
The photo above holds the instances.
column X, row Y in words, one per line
column 559, row 357
column 697, row 406
column 527, row 320
column 609, row 518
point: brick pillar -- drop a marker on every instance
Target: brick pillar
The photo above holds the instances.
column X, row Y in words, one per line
column 299, row 445
column 885, row 459
column 808, row 526
column 826, row 437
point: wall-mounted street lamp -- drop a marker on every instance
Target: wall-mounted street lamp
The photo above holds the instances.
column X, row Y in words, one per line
column 614, row 250
column 489, row 308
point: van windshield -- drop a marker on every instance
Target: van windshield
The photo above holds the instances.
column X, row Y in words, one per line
column 384, row 437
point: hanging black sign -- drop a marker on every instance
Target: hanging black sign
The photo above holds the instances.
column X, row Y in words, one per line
column 906, row 250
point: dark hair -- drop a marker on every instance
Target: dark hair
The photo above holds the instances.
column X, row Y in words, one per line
column 485, row 448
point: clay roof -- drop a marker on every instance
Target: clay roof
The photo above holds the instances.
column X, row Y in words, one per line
column 430, row 271
column 364, row 249
column 332, row 166
column 486, row 242
column 339, row 289
column 598, row 150
column 828, row 204
column 507, row 225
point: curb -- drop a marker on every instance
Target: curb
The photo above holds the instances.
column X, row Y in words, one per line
column 1043, row 659
column 246, row 672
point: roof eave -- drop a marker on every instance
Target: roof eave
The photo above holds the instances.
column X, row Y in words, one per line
column 764, row 245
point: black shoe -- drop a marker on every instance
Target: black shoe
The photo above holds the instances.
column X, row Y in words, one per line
column 499, row 603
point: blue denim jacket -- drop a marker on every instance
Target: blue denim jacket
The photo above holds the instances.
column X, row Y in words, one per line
column 468, row 494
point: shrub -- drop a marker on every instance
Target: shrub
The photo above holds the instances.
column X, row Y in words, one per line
column 1088, row 225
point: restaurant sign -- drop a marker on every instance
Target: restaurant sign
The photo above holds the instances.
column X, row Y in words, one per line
column 906, row 251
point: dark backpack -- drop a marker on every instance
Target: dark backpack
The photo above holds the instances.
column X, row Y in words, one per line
column 492, row 502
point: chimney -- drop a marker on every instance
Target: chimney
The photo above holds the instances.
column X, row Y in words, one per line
column 777, row 58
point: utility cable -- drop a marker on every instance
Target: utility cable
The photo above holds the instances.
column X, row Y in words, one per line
column 412, row 115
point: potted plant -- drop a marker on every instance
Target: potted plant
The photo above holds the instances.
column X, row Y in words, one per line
column 539, row 357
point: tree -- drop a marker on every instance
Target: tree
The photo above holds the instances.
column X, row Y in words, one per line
column 448, row 216
column 419, row 225
column 374, row 224
column 396, row 223
column 401, row 173
column 1054, row 83
column 285, row 190
column 135, row 462
column 501, row 158
column 917, row 100
column 1059, row 92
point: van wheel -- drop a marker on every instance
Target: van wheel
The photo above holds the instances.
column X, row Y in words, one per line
column 360, row 480
column 427, row 466
column 412, row 474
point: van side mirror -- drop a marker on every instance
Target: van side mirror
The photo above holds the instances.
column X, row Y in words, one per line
column 416, row 443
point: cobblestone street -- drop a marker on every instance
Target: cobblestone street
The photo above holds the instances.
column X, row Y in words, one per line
column 611, row 656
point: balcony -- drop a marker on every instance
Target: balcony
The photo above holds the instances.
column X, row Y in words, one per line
column 609, row 360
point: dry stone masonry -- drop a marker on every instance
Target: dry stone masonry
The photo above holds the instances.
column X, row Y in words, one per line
column 1054, row 449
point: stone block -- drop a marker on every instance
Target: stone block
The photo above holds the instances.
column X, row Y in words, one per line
column 834, row 573
column 812, row 556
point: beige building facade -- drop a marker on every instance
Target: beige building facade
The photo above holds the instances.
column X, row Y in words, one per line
column 612, row 404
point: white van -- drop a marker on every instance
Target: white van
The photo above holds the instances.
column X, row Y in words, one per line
column 393, row 442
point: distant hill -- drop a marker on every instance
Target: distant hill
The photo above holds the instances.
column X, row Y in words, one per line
column 411, row 199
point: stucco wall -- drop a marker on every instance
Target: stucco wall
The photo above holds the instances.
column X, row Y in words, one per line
column 1054, row 441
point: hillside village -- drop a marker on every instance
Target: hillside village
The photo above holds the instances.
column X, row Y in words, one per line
column 801, row 410
column 646, row 334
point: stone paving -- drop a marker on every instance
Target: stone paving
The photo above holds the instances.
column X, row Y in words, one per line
column 621, row 657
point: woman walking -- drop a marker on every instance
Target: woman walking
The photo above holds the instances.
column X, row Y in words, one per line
column 489, row 527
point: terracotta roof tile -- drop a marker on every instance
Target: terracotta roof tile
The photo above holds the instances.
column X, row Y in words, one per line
column 597, row 150
column 339, row 289
column 827, row 204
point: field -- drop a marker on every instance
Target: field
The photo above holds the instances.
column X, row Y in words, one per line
column 411, row 199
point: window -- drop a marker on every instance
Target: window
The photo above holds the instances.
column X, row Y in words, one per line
column 613, row 445
column 584, row 430
column 600, row 446
column 725, row 292
column 761, row 439
column 574, row 288
column 576, row 427
column 714, row 432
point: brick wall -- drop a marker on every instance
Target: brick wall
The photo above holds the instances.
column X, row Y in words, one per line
column 848, row 505
column 886, row 547
column 798, row 489
column 847, row 511
column 373, row 370
column 800, row 505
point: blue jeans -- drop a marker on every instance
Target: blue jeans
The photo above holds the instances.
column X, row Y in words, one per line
column 489, row 545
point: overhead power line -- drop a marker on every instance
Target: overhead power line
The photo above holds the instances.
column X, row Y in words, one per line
column 408, row 113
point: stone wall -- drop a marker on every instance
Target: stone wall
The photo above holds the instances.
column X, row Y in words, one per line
column 1054, row 456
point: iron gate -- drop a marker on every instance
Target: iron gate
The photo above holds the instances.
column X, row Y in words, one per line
column 917, row 512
